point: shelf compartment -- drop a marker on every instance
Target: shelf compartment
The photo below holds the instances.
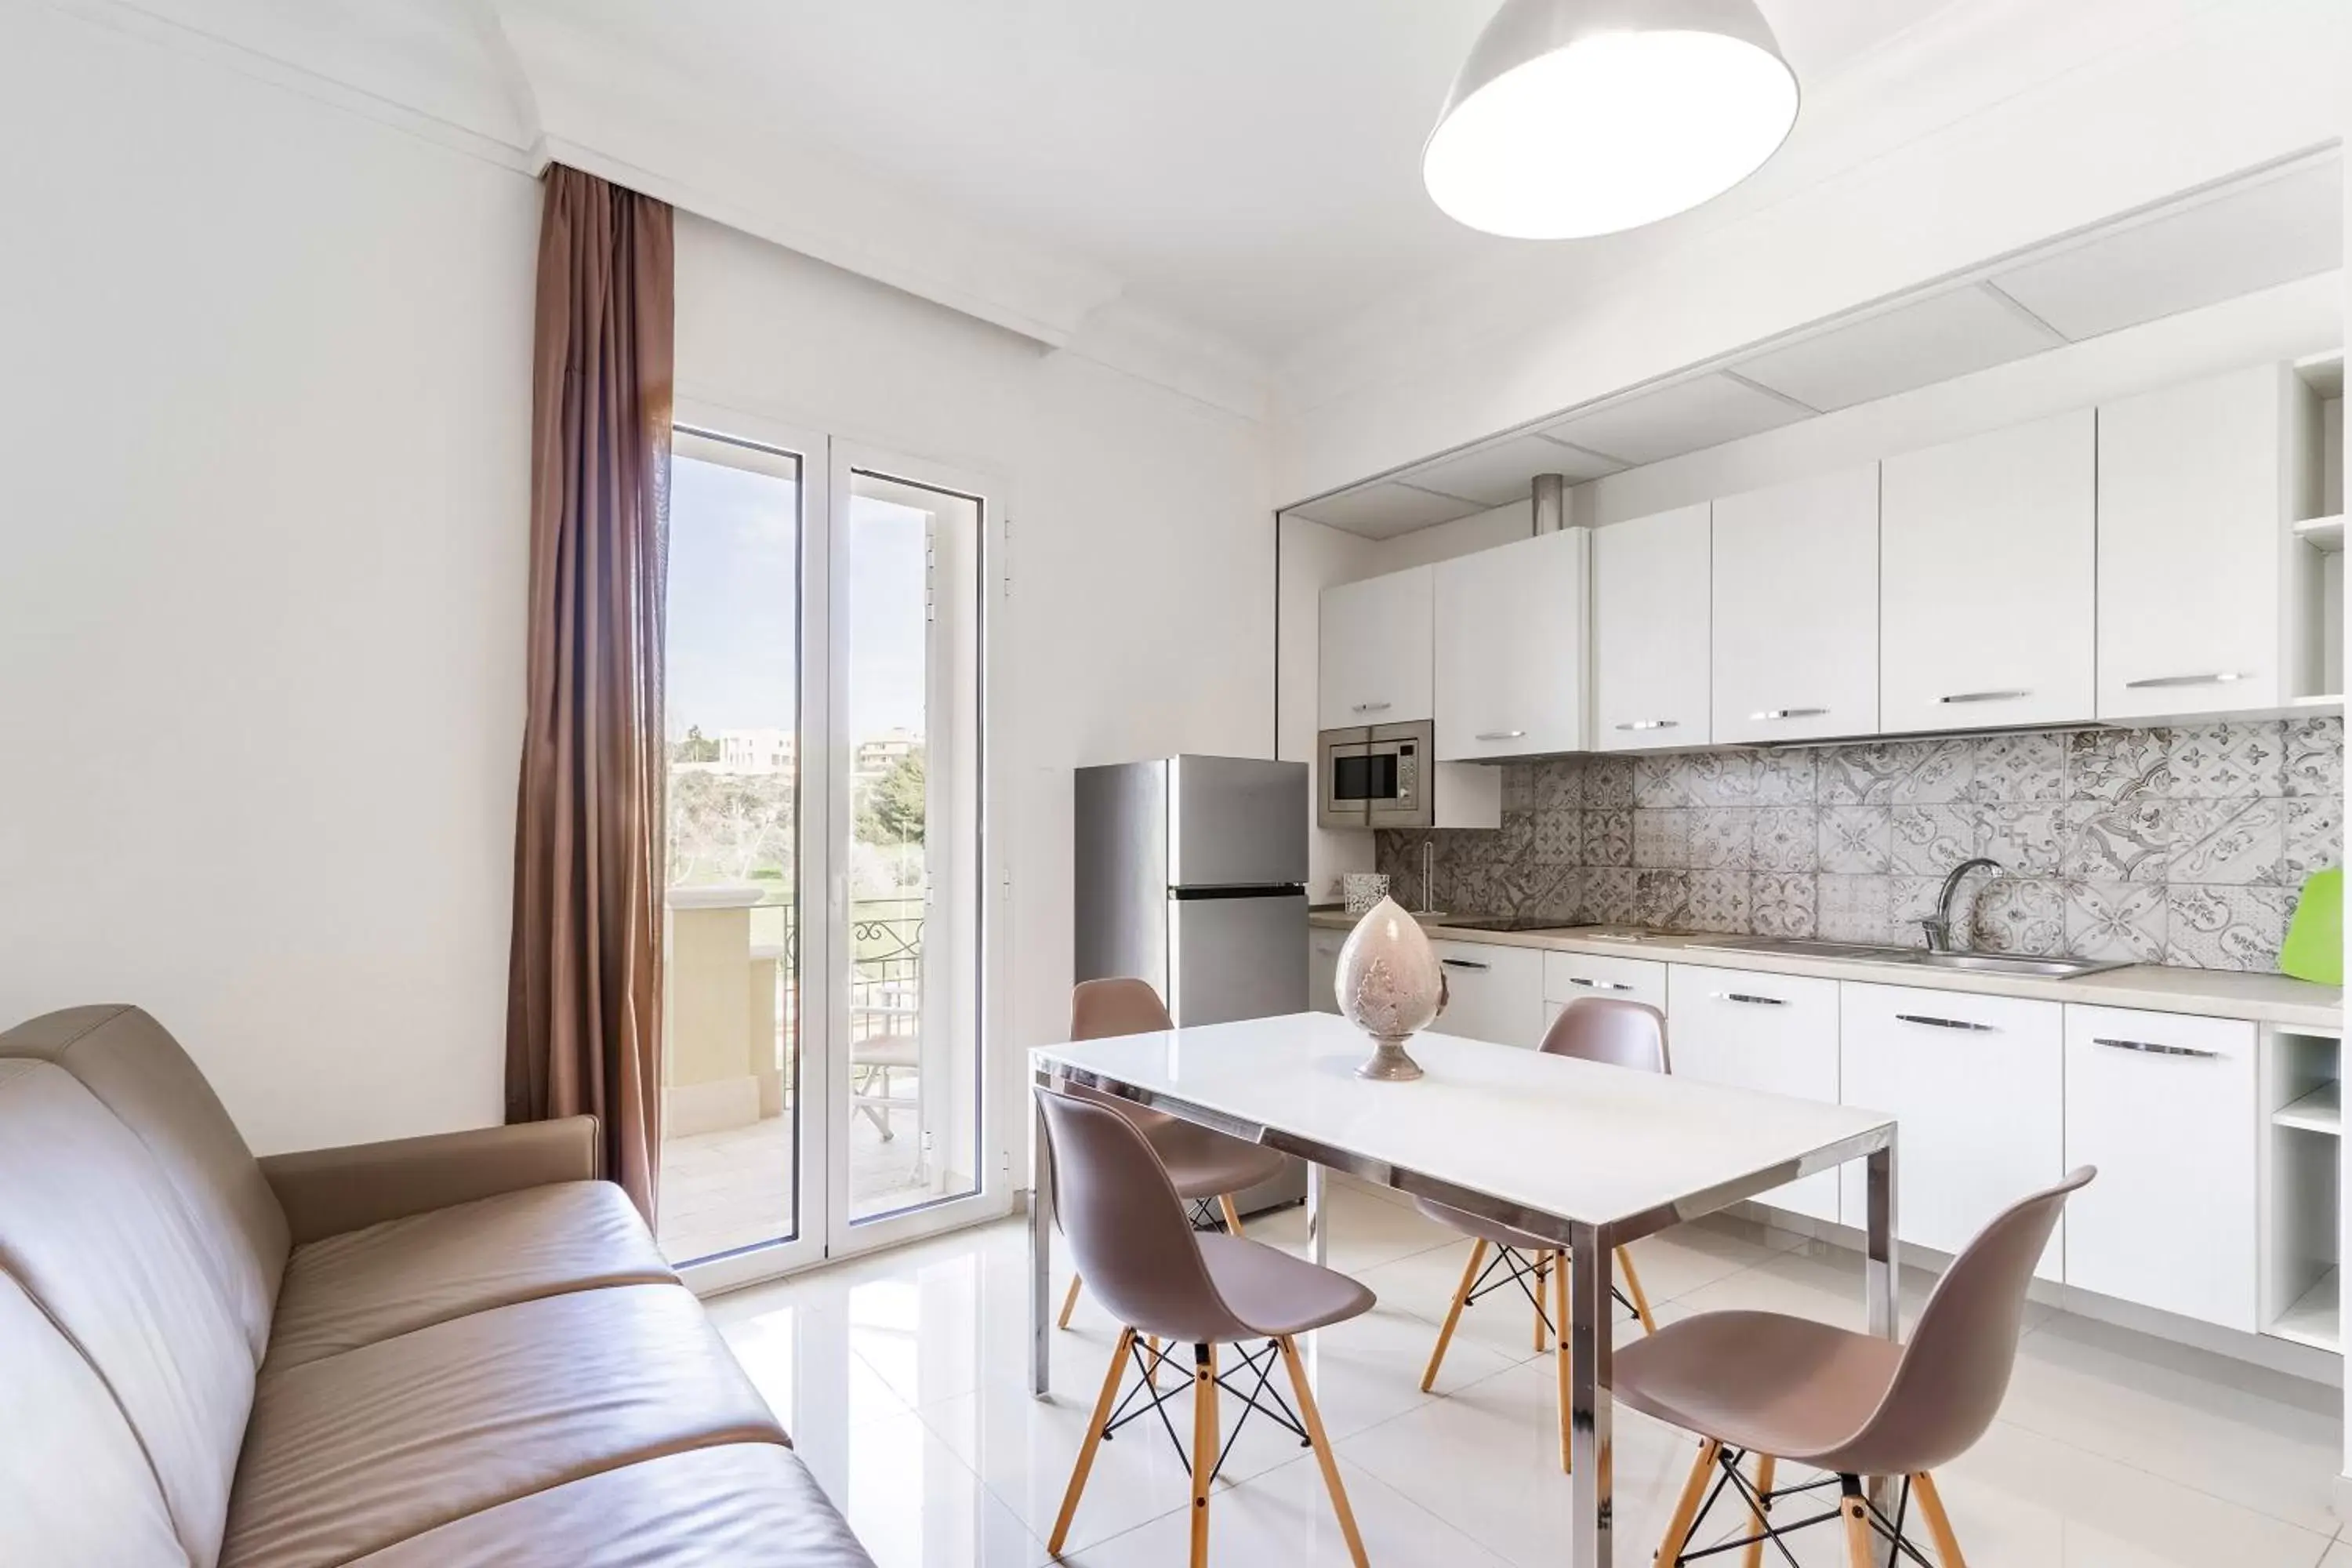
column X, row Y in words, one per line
column 2321, row 1110
column 2325, row 534
column 2316, row 1319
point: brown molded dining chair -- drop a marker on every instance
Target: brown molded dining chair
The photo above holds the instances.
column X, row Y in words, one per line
column 1852, row 1404
column 1161, row 1278
column 1207, row 1167
column 1594, row 1029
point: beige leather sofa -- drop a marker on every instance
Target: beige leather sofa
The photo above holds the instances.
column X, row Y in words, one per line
column 426, row 1353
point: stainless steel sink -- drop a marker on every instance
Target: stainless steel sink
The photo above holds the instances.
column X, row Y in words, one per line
column 1918, row 958
column 2017, row 963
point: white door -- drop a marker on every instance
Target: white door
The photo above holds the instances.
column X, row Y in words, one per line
column 1652, row 636
column 1796, row 610
column 1775, row 1033
column 1510, row 651
column 1493, row 992
column 2192, row 522
column 1373, row 642
column 1976, row 1086
column 1987, row 579
column 2164, row 1106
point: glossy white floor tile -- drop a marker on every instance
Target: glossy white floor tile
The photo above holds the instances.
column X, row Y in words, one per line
column 902, row 1377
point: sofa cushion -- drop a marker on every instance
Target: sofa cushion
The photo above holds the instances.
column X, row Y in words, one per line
column 746, row 1505
column 354, row 1290
column 94, row 1235
column 350, row 1453
column 141, row 1074
column 74, row 1486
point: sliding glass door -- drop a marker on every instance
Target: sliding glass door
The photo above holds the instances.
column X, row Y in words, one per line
column 824, row 1006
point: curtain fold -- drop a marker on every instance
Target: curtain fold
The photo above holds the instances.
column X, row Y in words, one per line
column 583, row 989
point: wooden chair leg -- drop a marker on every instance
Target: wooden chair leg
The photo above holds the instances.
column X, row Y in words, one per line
column 1860, row 1539
column 1633, row 1288
column 1939, row 1524
column 1686, row 1514
column 1543, row 1273
column 1152, row 1362
column 1094, row 1441
column 1204, row 1446
column 1232, row 1215
column 1312, row 1415
column 1566, row 1362
column 1453, row 1315
column 1754, row 1556
column 1069, row 1302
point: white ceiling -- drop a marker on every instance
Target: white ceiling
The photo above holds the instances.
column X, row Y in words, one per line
column 1247, row 167
column 2268, row 227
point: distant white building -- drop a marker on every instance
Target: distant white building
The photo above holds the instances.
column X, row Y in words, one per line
column 880, row 754
column 757, row 750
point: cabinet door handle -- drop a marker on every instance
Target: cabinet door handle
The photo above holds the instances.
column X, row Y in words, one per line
column 1501, row 735
column 1947, row 1023
column 1371, row 707
column 2154, row 1048
column 1463, row 963
column 2219, row 677
column 1650, row 724
column 1790, row 713
column 1746, row 997
column 1984, row 696
column 1597, row 984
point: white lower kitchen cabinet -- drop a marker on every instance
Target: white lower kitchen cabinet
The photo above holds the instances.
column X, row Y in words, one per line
column 1974, row 1084
column 1493, row 992
column 1568, row 976
column 1777, row 1033
column 2163, row 1104
column 1323, row 968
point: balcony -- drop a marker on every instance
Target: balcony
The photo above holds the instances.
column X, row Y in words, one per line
column 732, row 1017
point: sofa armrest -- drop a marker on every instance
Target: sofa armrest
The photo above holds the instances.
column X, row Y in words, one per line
column 326, row 1192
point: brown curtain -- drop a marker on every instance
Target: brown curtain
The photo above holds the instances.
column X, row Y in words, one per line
column 583, row 989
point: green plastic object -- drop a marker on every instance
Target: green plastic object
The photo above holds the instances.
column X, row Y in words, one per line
column 2314, row 938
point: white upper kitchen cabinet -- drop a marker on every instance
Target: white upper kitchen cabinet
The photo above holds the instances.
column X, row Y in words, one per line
column 1987, row 580
column 2193, row 500
column 1796, row 610
column 1373, row 643
column 1650, row 631
column 1976, row 1086
column 1510, row 648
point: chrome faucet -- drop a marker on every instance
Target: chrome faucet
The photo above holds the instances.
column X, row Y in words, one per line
column 1939, row 926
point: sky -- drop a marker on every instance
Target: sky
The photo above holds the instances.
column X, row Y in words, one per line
column 734, row 604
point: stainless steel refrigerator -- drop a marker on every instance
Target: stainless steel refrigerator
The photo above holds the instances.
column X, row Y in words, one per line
column 1191, row 872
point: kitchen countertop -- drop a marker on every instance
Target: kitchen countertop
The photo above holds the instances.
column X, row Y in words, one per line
column 2212, row 993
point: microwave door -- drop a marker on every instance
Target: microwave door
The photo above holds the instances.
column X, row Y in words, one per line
column 1346, row 787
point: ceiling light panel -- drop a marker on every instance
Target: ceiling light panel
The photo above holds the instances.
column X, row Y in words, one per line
column 1935, row 339
column 1384, row 510
column 1705, row 411
column 2265, row 233
column 1500, row 474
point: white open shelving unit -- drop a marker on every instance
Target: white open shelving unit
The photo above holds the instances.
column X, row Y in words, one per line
column 2303, row 1142
column 2315, row 550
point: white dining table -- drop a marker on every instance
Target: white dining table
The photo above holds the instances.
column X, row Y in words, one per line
column 1585, row 1154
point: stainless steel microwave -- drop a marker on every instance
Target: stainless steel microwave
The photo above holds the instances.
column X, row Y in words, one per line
column 1376, row 776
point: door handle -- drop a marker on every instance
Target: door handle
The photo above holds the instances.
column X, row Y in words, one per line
column 1650, row 724
column 1790, row 713
column 1597, row 984
column 2218, row 677
column 1501, row 735
column 1371, row 707
column 1984, row 696
column 1463, row 963
column 1947, row 1023
column 2154, row 1049
column 1749, row 997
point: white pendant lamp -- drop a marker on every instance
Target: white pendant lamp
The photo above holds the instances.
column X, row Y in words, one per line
column 1574, row 117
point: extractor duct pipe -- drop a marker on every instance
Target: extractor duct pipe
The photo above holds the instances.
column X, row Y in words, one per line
column 1552, row 502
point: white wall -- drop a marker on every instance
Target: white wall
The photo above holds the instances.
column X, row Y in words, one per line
column 261, row 579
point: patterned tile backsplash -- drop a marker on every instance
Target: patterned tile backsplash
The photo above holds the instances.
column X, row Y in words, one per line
column 2183, row 847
